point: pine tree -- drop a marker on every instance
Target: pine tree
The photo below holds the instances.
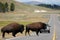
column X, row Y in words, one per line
column 6, row 7
column 12, row 7
column 1, row 7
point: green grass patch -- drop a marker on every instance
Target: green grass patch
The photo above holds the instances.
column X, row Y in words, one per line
column 3, row 23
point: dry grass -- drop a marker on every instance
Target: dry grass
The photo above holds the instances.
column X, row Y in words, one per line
column 18, row 16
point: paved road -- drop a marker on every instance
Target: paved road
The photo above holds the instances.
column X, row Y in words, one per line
column 56, row 23
column 57, row 26
column 45, row 36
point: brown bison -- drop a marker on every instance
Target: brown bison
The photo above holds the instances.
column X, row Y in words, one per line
column 13, row 28
column 37, row 26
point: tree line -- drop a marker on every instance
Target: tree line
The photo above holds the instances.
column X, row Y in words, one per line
column 5, row 7
column 54, row 6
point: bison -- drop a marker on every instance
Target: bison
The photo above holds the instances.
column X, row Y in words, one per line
column 37, row 26
column 13, row 28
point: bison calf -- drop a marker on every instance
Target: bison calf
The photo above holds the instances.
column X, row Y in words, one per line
column 13, row 28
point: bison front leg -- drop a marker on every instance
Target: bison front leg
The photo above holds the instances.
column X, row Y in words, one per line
column 40, row 31
column 3, row 34
column 37, row 33
column 13, row 33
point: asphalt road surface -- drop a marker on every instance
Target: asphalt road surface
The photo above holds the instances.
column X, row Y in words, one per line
column 57, row 27
column 53, row 35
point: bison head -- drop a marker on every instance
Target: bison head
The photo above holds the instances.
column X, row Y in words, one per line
column 21, row 28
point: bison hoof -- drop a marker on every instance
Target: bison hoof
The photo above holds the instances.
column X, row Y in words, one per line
column 48, row 31
column 40, row 31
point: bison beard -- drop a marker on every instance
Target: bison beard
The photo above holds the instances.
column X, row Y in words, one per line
column 37, row 26
column 13, row 28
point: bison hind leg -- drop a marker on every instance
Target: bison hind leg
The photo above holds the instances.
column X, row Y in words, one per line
column 27, row 31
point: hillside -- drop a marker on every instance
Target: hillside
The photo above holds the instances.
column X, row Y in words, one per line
column 23, row 12
column 33, row 3
column 25, row 8
column 28, row 8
